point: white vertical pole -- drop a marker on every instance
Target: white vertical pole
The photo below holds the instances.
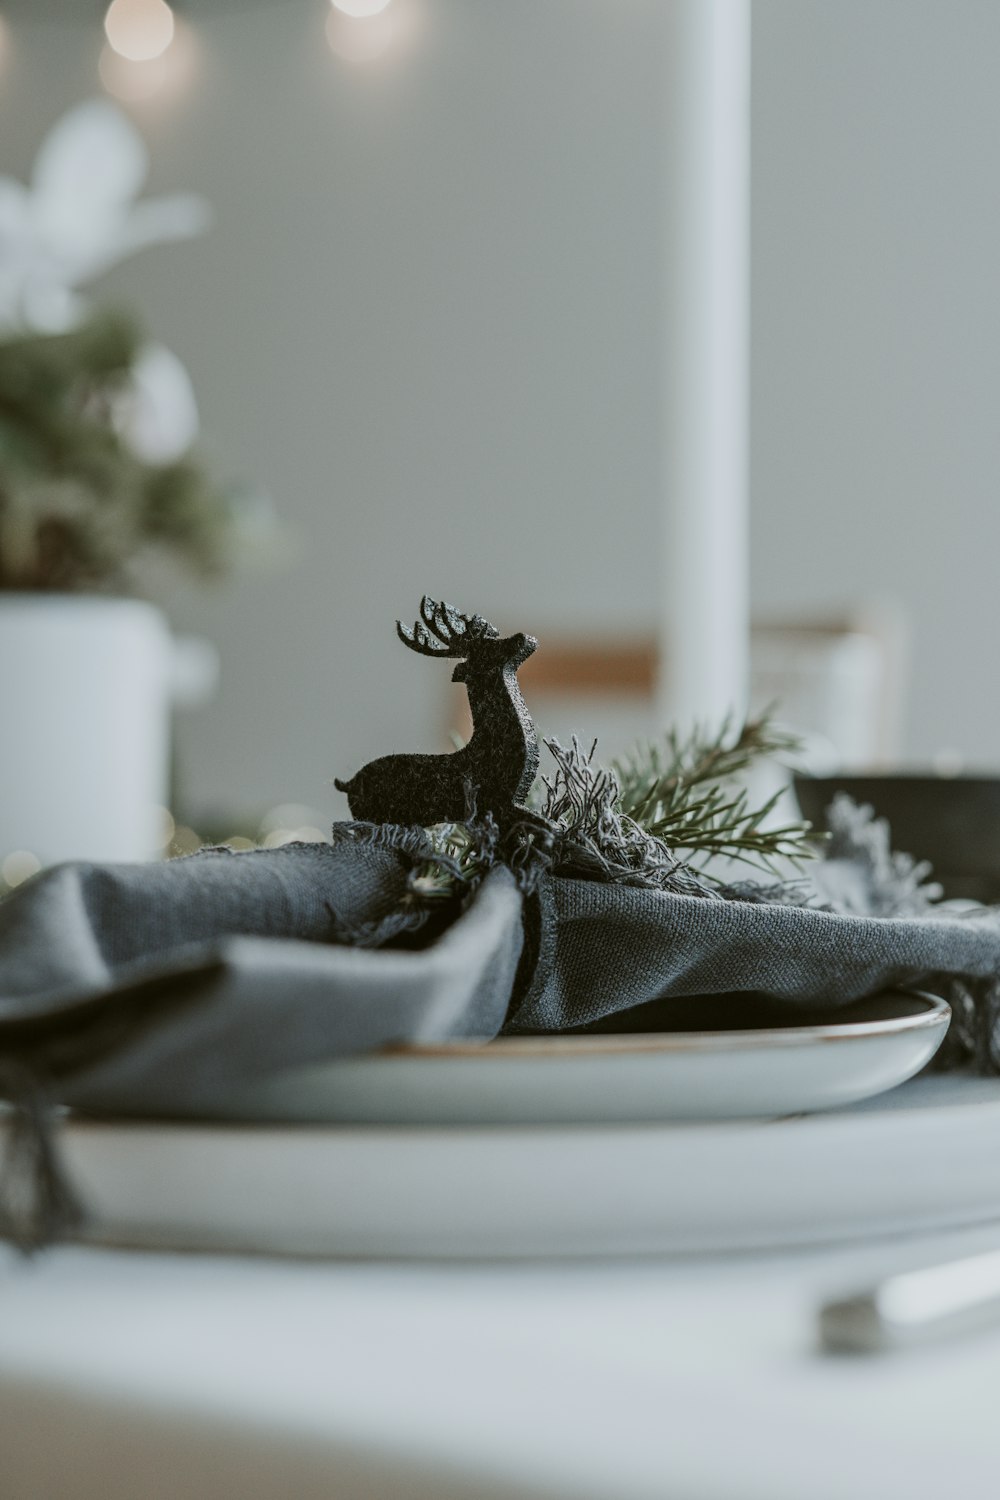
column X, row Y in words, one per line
column 705, row 642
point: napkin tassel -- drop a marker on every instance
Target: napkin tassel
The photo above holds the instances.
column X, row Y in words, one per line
column 987, row 1039
column 37, row 1203
column 973, row 1040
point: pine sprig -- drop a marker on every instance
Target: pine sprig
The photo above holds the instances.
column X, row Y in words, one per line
column 684, row 792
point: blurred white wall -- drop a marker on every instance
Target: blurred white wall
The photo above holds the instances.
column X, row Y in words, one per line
column 429, row 320
column 876, row 333
column 426, row 319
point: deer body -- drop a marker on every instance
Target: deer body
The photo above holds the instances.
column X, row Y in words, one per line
column 501, row 758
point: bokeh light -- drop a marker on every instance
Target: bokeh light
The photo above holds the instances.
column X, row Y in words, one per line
column 360, row 41
column 158, row 78
column 360, row 9
column 185, row 841
column 304, row 835
column 139, row 30
column 19, row 866
column 290, row 822
column 166, row 827
column 287, row 815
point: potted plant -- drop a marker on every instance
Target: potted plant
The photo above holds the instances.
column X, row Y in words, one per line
column 96, row 474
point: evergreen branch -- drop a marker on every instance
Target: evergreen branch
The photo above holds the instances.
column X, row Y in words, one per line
column 682, row 793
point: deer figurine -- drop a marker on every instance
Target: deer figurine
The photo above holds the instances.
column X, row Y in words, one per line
column 501, row 758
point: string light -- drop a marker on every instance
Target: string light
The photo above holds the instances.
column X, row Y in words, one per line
column 139, row 30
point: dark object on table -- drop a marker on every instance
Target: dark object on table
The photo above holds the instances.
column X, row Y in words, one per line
column 953, row 822
column 498, row 764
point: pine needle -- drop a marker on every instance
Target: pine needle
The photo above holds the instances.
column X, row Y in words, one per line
column 686, row 793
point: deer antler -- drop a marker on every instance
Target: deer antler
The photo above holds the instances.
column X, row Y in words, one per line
column 443, row 631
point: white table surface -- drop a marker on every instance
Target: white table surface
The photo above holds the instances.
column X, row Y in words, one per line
column 142, row 1377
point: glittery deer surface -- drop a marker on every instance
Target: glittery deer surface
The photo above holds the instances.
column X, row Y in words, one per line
column 501, row 758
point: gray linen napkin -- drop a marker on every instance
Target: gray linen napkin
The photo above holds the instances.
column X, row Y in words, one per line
column 606, row 949
column 148, row 988
column 144, row 988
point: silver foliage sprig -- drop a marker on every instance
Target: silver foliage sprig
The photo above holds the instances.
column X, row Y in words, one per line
column 592, row 835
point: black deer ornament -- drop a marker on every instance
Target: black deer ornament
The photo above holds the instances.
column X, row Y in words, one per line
column 500, row 760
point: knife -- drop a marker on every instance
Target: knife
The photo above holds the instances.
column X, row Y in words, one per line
column 915, row 1307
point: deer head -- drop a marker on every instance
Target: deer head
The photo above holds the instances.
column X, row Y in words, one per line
column 443, row 631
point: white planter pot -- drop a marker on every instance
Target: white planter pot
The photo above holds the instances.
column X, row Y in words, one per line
column 85, row 687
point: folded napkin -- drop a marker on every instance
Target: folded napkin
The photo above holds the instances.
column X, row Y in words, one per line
column 146, row 988
column 150, row 988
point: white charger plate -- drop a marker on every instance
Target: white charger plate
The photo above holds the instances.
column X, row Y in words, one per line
column 845, row 1056
column 919, row 1159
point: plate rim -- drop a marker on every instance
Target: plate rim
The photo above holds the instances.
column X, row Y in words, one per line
column 934, row 1012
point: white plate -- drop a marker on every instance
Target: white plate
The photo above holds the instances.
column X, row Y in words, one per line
column 695, row 1075
column 921, row 1158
